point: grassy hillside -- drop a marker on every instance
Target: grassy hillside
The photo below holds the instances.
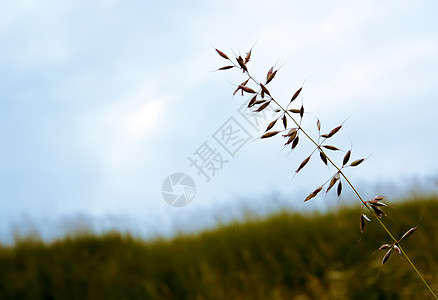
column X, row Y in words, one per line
column 283, row 256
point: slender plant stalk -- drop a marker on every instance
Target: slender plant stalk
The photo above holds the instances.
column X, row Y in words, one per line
column 372, row 207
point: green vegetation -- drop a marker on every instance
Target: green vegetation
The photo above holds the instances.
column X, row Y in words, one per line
column 283, row 256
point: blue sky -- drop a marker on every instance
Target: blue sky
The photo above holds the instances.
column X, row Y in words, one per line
column 101, row 101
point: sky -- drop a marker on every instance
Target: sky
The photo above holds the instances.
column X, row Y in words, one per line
column 101, row 101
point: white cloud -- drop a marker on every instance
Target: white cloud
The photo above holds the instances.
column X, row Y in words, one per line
column 115, row 135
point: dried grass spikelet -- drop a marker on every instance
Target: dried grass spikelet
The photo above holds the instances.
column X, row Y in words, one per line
column 291, row 132
column 271, row 74
column 329, row 147
column 313, row 194
column 225, row 68
column 263, row 106
column 332, row 132
column 269, row 134
column 357, row 162
column 380, row 213
column 252, row 101
column 247, row 89
column 291, row 138
column 408, row 233
column 295, row 95
column 242, row 63
column 384, row 246
column 295, row 142
column 339, row 190
column 222, row 54
column 295, row 111
column 363, row 218
column 346, row 158
column 323, row 157
column 248, row 56
column 270, row 125
column 387, row 255
column 303, row 164
column 284, row 121
column 333, row 181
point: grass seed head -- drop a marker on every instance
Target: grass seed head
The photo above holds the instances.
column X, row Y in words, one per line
column 357, row 162
column 346, row 158
column 408, row 233
column 386, row 257
column 225, row 68
column 295, row 95
column 263, row 106
column 222, row 54
column 269, row 134
column 295, row 142
column 333, row 148
column 323, row 157
column 303, row 164
column 271, row 125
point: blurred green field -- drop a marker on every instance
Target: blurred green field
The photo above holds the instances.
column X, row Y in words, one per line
column 282, row 256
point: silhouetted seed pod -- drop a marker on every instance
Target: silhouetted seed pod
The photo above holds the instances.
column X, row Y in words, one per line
column 357, row 162
column 384, row 246
column 259, row 101
column 332, row 182
column 323, row 157
column 318, row 125
column 296, row 94
column 333, row 148
column 270, row 77
column 376, row 202
column 291, row 138
column 303, row 164
column 397, row 249
column 284, row 121
column 378, row 198
column 362, row 223
column 291, row 132
column 386, row 257
column 363, row 218
column 271, row 125
column 252, row 101
column 241, row 63
column 332, row 132
column 270, row 71
column 226, row 68
column 313, row 194
column 269, row 134
column 295, row 111
column 408, row 233
column 346, row 158
column 339, row 191
column 378, row 211
column 302, row 111
column 248, row 56
column 295, row 142
column 263, row 106
column 222, row 54
column 247, row 89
